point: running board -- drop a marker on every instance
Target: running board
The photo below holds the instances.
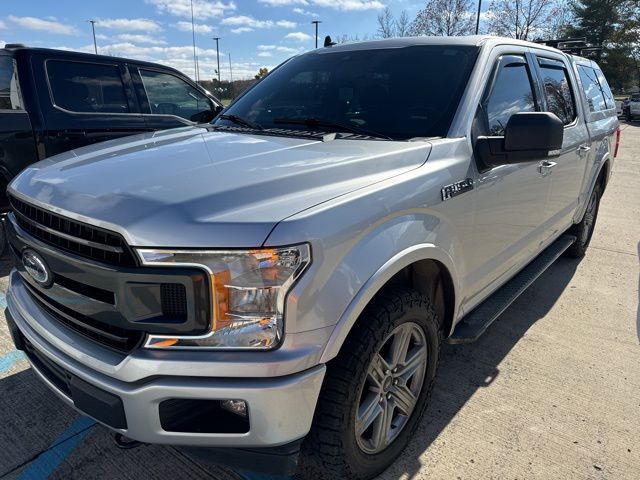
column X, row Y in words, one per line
column 478, row 320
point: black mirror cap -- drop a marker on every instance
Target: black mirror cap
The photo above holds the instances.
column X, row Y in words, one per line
column 533, row 131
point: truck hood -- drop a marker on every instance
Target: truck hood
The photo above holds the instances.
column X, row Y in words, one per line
column 198, row 188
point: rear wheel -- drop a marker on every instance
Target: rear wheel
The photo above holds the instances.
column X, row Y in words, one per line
column 376, row 390
column 584, row 230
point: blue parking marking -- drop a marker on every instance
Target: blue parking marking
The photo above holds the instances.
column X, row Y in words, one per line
column 10, row 359
column 48, row 461
column 3, row 300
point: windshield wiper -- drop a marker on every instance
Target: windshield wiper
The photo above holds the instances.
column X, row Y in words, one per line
column 241, row 121
column 319, row 122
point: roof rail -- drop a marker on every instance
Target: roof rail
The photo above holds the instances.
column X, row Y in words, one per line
column 14, row 45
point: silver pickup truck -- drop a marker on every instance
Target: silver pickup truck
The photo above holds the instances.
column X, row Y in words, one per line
column 278, row 284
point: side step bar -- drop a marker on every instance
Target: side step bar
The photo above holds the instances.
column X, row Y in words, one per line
column 478, row 320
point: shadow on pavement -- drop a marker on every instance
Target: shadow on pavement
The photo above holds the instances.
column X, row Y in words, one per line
column 464, row 369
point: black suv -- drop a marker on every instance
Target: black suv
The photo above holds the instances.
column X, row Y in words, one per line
column 53, row 100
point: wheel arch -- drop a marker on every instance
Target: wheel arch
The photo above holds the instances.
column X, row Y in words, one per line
column 425, row 267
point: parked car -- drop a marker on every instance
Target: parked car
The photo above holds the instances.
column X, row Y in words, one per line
column 278, row 284
column 52, row 101
column 632, row 107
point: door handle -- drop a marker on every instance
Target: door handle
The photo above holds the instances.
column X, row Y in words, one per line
column 544, row 167
column 583, row 149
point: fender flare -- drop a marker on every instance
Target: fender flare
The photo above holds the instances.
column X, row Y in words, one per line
column 375, row 283
column 592, row 184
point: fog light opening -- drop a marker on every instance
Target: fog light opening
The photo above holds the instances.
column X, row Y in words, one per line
column 239, row 407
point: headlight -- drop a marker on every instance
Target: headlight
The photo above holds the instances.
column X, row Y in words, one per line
column 248, row 291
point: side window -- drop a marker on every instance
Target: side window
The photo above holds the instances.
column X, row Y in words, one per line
column 557, row 90
column 10, row 98
column 512, row 92
column 595, row 97
column 608, row 95
column 169, row 95
column 87, row 87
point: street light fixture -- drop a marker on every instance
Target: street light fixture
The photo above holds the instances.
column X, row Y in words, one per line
column 316, row 22
column 218, row 57
column 93, row 27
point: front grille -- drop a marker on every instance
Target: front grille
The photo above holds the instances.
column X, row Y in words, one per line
column 72, row 236
column 174, row 301
column 117, row 338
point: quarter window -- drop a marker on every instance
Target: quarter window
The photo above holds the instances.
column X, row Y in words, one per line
column 591, row 86
column 169, row 95
column 608, row 95
column 10, row 98
column 511, row 93
column 87, row 87
column 557, row 91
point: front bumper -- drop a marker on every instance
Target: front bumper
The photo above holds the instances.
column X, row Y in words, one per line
column 280, row 408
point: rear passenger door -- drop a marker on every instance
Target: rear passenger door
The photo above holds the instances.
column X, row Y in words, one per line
column 84, row 102
column 568, row 169
column 168, row 101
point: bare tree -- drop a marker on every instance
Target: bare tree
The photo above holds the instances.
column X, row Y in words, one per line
column 522, row 19
column 444, row 18
column 403, row 25
column 386, row 24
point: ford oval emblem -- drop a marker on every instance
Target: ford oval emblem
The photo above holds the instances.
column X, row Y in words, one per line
column 36, row 267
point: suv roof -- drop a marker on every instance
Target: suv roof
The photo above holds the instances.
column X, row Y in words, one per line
column 18, row 49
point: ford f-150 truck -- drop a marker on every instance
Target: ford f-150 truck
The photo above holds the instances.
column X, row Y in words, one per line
column 279, row 283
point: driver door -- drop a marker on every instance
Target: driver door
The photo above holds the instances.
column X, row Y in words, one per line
column 512, row 199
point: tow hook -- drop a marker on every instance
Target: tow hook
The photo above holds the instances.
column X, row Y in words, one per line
column 125, row 443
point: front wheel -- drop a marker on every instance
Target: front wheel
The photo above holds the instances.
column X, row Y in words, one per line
column 376, row 390
column 584, row 230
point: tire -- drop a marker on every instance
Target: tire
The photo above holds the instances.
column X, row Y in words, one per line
column 584, row 230
column 333, row 449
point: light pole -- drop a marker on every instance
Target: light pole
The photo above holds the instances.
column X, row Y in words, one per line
column 93, row 27
column 218, row 57
column 193, row 34
column 316, row 22
column 478, row 17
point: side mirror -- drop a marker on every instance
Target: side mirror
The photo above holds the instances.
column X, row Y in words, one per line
column 528, row 136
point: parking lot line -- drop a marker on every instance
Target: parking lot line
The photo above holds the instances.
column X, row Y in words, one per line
column 10, row 359
column 49, row 460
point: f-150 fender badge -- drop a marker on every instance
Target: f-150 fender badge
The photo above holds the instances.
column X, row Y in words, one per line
column 455, row 189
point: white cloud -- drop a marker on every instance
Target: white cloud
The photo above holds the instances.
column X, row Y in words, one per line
column 265, row 54
column 130, row 24
column 51, row 26
column 298, row 36
column 277, row 48
column 200, row 28
column 202, row 9
column 250, row 22
column 241, row 30
column 139, row 38
column 281, row 3
column 349, row 4
column 2, row 24
column 302, row 11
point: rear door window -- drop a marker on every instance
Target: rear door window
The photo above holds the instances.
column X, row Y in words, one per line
column 512, row 92
column 10, row 98
column 608, row 95
column 87, row 87
column 170, row 95
column 591, row 86
column 557, row 90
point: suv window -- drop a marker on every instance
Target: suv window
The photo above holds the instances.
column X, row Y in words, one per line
column 557, row 90
column 169, row 95
column 10, row 98
column 512, row 92
column 595, row 97
column 87, row 87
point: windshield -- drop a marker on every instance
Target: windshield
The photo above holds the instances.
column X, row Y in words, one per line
column 397, row 93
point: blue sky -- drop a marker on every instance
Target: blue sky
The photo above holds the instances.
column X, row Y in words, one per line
column 257, row 33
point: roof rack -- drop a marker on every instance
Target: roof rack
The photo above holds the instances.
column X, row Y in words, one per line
column 574, row 46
